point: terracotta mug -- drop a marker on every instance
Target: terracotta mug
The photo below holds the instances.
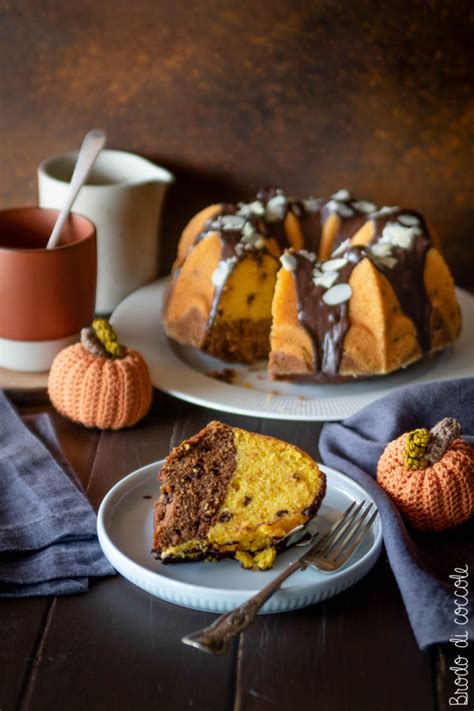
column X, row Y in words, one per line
column 46, row 296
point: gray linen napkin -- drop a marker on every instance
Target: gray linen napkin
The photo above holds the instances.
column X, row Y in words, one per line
column 48, row 543
column 421, row 562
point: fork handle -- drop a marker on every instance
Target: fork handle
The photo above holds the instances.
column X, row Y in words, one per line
column 217, row 637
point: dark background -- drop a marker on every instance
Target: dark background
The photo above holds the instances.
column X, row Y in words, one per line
column 314, row 96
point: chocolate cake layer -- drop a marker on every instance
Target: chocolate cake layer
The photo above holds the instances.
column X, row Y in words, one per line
column 194, row 482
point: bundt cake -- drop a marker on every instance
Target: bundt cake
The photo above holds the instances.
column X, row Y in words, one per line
column 328, row 290
column 227, row 492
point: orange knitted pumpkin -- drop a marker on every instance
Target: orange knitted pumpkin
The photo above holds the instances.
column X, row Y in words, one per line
column 100, row 383
column 430, row 476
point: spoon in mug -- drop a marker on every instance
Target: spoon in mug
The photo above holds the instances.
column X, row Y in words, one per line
column 92, row 144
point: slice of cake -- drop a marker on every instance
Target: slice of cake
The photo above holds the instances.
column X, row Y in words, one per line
column 227, row 492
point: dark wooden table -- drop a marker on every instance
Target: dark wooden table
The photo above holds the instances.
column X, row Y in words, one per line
column 116, row 647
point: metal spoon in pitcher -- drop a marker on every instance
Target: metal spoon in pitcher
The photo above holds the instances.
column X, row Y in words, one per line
column 92, row 144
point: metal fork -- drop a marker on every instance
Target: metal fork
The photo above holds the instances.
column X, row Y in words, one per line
column 328, row 553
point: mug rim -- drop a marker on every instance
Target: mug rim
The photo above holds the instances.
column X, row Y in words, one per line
column 42, row 250
column 167, row 177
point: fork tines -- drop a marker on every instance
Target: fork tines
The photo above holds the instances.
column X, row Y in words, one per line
column 337, row 545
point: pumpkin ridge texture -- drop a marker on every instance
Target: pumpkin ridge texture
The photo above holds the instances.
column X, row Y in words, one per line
column 435, row 497
column 98, row 391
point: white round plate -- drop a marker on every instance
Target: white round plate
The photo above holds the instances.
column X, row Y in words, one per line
column 125, row 530
column 184, row 372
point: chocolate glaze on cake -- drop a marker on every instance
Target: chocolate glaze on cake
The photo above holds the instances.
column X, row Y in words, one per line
column 275, row 209
column 309, row 216
column 404, row 248
column 312, row 213
column 327, row 325
column 307, row 212
column 352, row 214
column 408, row 270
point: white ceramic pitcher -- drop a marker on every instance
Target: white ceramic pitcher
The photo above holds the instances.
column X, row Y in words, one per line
column 123, row 197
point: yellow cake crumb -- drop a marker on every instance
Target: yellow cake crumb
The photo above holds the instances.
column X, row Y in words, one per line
column 263, row 560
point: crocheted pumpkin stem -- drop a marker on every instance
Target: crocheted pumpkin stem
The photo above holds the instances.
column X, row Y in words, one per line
column 425, row 447
column 442, row 435
column 91, row 342
column 416, row 446
column 107, row 336
column 101, row 340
